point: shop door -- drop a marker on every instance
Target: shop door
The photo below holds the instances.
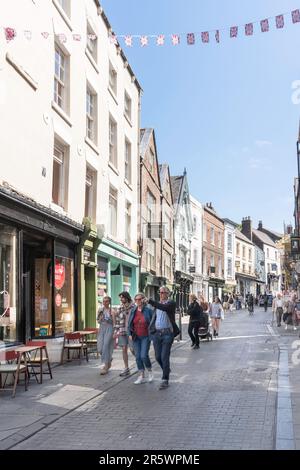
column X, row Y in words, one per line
column 90, row 297
column 27, row 306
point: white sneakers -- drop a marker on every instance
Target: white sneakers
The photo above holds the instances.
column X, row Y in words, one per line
column 286, row 327
column 295, row 328
column 141, row 379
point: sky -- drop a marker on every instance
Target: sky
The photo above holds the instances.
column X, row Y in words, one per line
column 227, row 112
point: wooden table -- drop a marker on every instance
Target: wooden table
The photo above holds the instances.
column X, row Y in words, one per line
column 25, row 352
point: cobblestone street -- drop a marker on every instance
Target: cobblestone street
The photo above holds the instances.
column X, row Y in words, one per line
column 223, row 396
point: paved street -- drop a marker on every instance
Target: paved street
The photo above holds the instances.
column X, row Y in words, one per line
column 223, row 396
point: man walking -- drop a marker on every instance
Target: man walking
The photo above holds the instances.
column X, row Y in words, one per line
column 163, row 330
column 277, row 308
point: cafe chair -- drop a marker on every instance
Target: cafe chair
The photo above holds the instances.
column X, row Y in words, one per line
column 74, row 342
column 91, row 340
column 10, row 363
column 35, row 359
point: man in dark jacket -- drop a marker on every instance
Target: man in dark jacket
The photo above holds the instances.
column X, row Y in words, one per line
column 195, row 312
column 163, row 329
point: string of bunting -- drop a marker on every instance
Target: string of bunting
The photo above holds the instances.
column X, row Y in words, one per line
column 161, row 39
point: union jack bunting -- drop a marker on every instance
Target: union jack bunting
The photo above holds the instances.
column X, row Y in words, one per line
column 45, row 34
column 249, row 29
column 296, row 16
column 264, row 25
column 62, row 38
column 10, row 34
column 233, row 31
column 217, row 36
column 160, row 40
column 77, row 37
column 175, row 39
column 190, row 37
column 28, row 34
column 205, row 36
column 144, row 41
column 93, row 37
column 128, row 41
column 279, row 21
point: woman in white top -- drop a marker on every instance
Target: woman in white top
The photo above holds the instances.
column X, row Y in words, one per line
column 216, row 311
column 105, row 342
column 277, row 308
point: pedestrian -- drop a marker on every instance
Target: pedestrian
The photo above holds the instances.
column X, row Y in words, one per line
column 216, row 312
column 121, row 328
column 195, row 312
column 231, row 302
column 138, row 331
column 225, row 303
column 250, row 302
column 204, row 304
column 105, row 342
column 163, row 330
column 289, row 317
column 265, row 298
column 277, row 308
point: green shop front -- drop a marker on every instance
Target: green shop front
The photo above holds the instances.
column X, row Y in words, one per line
column 117, row 271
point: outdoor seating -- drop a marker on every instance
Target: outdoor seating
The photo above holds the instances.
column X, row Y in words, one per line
column 91, row 339
column 38, row 359
column 10, row 363
column 74, row 342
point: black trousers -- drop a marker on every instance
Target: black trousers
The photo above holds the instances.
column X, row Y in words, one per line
column 193, row 331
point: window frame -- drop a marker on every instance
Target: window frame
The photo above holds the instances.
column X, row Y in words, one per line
column 61, row 197
column 91, row 118
column 113, row 142
column 128, row 161
column 113, row 79
column 91, row 44
column 127, row 99
column 113, row 196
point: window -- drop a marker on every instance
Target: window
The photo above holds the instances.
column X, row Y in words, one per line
column 128, row 223
column 212, row 260
column 168, row 227
column 60, row 77
column 151, row 201
column 204, row 263
column 229, row 267
column 150, row 255
column 244, row 252
column 212, row 236
column 59, row 177
column 249, row 269
column 238, row 249
column 195, row 256
column 204, row 232
column 268, row 253
column 128, row 161
column 112, row 79
column 113, row 154
column 65, row 4
column 194, row 224
column 91, row 42
column 127, row 106
column 220, row 266
column 151, row 160
column 269, row 267
column 250, row 254
column 220, row 240
column 229, row 242
column 64, row 290
column 113, row 211
column 183, row 260
column 90, row 194
column 167, row 265
column 91, row 115
column 244, row 268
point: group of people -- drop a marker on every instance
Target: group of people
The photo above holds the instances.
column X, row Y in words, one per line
column 199, row 310
column 135, row 325
column 286, row 310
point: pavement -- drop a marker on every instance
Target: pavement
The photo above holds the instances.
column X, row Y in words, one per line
column 240, row 391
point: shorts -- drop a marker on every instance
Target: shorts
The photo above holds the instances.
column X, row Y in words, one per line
column 123, row 340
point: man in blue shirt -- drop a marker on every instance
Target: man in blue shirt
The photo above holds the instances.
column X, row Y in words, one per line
column 163, row 329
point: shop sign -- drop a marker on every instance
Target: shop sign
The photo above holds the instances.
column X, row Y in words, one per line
column 86, row 255
column 60, row 275
column 58, row 300
column 117, row 254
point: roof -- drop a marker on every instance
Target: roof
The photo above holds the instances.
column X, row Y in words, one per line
column 212, row 211
column 230, row 222
column 241, row 236
column 176, row 183
column 145, row 135
column 163, row 172
column 263, row 237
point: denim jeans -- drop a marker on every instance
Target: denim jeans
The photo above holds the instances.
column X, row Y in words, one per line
column 162, row 343
column 193, row 331
column 141, row 346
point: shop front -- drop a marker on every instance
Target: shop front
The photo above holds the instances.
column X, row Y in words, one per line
column 215, row 288
column 117, row 271
column 38, row 259
column 182, row 290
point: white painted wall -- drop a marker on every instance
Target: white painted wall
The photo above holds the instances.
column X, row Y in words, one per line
column 196, row 244
column 229, row 230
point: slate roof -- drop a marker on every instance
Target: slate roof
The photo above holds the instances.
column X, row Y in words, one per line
column 145, row 135
column 241, row 236
column 263, row 237
column 176, row 183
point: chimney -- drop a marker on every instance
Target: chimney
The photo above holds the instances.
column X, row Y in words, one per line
column 247, row 227
column 260, row 225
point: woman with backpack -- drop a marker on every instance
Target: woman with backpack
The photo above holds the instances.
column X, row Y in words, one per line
column 216, row 312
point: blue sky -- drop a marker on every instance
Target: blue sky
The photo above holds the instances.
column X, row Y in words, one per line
column 224, row 111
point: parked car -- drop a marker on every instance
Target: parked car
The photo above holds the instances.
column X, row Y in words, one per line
column 270, row 300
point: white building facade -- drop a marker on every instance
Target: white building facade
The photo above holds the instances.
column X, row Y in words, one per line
column 229, row 255
column 196, row 246
column 69, row 166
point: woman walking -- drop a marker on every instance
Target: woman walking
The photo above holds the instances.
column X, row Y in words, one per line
column 216, row 312
column 194, row 311
column 138, row 331
column 105, row 342
column 121, row 327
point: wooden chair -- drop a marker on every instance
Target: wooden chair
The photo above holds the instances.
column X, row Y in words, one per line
column 36, row 360
column 91, row 340
column 74, row 342
column 10, row 363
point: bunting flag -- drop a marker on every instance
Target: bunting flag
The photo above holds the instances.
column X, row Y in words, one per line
column 217, row 36
column 190, row 37
column 144, row 41
column 76, row 37
column 234, row 31
column 205, row 36
column 128, row 41
column 113, row 39
column 160, row 40
column 249, row 29
column 279, row 21
column 10, row 34
column 27, row 34
column 93, row 37
column 296, row 16
column 62, row 38
column 45, row 34
column 175, row 39
column 264, row 25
